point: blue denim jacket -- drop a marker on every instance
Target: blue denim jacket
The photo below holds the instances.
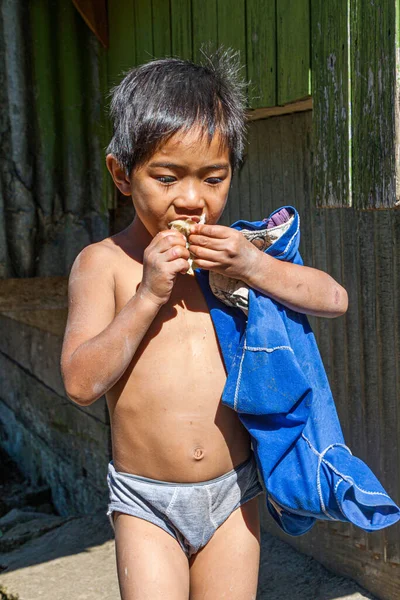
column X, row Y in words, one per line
column 277, row 384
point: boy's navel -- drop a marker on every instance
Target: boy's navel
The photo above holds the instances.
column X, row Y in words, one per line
column 198, row 453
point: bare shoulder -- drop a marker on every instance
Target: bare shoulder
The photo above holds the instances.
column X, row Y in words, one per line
column 99, row 257
column 91, row 296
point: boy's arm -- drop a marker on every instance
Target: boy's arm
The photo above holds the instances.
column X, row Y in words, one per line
column 303, row 289
column 97, row 347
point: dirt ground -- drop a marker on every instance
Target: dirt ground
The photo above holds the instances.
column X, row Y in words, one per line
column 47, row 557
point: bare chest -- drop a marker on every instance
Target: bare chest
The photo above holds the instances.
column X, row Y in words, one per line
column 180, row 349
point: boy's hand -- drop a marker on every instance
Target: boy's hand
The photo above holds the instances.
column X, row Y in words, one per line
column 223, row 250
column 163, row 259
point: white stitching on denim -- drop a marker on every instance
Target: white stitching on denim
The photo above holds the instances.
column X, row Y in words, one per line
column 343, row 477
column 336, row 496
column 347, row 478
column 235, row 399
column 337, row 485
column 256, row 349
column 290, row 242
column 320, row 461
column 172, row 502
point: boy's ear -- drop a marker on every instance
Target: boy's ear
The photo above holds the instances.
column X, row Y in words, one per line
column 118, row 174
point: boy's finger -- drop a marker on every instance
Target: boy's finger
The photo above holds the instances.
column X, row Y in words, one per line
column 214, row 231
column 205, row 253
column 207, row 264
column 206, row 242
column 166, row 241
column 176, row 252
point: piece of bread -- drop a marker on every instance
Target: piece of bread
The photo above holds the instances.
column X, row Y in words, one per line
column 184, row 226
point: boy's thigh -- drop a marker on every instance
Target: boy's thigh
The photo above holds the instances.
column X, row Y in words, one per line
column 150, row 562
column 227, row 566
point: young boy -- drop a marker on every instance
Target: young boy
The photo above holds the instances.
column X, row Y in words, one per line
column 183, row 481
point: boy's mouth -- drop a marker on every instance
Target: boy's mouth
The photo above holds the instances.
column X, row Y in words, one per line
column 194, row 218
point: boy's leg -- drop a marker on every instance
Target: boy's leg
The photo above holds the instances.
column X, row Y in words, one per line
column 227, row 566
column 151, row 564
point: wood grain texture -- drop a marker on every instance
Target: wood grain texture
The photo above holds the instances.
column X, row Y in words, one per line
column 161, row 28
column 143, row 31
column 70, row 68
column 204, row 19
column 373, row 93
column 44, row 101
column 181, row 28
column 354, row 397
column 121, row 54
column 293, row 50
column 232, row 27
column 360, row 350
column 331, row 102
column 261, row 52
column 387, row 361
column 369, row 363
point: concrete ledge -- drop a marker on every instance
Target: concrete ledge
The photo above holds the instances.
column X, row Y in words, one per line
column 38, row 301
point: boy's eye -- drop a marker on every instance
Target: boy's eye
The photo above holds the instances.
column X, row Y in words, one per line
column 166, row 179
column 214, row 180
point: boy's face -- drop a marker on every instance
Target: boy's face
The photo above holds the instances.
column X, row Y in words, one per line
column 186, row 177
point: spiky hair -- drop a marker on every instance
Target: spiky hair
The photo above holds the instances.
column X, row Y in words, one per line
column 157, row 99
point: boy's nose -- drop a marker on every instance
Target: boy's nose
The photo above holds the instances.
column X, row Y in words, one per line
column 190, row 198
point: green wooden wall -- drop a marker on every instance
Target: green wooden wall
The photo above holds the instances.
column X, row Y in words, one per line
column 273, row 37
column 355, row 88
column 54, row 188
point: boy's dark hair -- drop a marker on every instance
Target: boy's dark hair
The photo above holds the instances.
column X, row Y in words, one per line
column 156, row 100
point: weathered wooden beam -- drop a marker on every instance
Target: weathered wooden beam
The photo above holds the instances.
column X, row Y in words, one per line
column 275, row 111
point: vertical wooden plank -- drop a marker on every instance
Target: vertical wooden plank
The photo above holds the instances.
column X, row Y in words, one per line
column 239, row 203
column 16, row 142
column 386, row 357
column 44, row 77
column 261, row 52
column 293, row 50
column 338, row 338
column 232, row 27
column 231, row 34
column 274, row 161
column 143, row 31
column 373, row 83
column 252, row 204
column 161, row 28
column 71, row 108
column 353, row 352
column 98, row 198
column 286, row 134
column 396, row 288
column 320, row 262
column 181, row 28
column 331, row 102
column 204, row 16
column 264, row 168
column 302, row 178
column 121, row 54
column 397, row 101
column 370, row 365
